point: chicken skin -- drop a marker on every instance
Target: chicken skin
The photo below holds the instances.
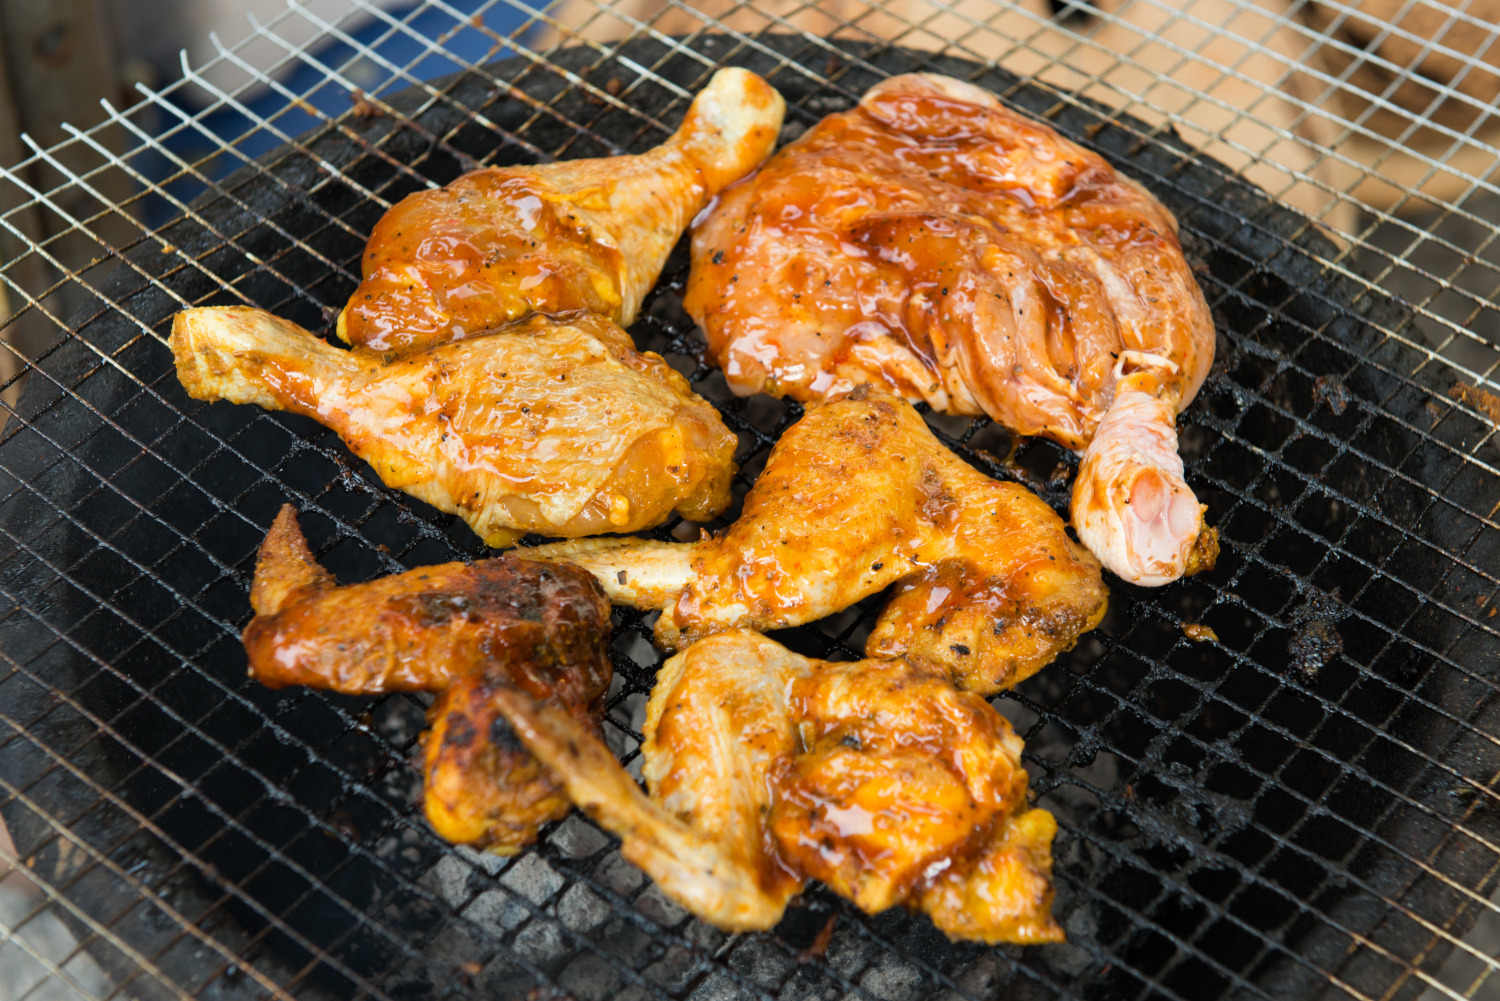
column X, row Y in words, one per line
column 588, row 235
column 766, row 769
column 855, row 497
column 553, row 425
column 481, row 787
column 935, row 244
column 461, row 630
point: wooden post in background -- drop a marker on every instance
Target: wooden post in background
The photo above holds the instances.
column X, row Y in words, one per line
column 57, row 59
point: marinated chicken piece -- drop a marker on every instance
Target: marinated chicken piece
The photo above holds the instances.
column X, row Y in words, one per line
column 855, row 497
column 421, row 630
column 766, row 769
column 714, row 737
column 575, row 235
column 462, row 630
column 935, row 244
column 1130, row 503
column 481, row 786
column 554, row 425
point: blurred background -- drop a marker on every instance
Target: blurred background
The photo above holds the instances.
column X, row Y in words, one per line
column 1374, row 117
column 60, row 58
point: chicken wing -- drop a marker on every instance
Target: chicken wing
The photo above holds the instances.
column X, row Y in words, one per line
column 554, row 425
column 574, row 235
column 855, row 497
column 766, row 768
column 480, row 786
column 938, row 245
column 460, row 629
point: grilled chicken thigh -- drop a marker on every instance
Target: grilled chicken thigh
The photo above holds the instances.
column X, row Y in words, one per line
column 855, row 497
column 765, row 768
column 935, row 244
column 574, row 235
column 460, row 629
column 555, row 425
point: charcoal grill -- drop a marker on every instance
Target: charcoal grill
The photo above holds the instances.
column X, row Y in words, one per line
column 1306, row 804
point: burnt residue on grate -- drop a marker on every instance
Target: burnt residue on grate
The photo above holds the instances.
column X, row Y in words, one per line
column 1293, row 805
column 1315, row 636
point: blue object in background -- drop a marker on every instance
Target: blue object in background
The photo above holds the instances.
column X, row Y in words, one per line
column 405, row 46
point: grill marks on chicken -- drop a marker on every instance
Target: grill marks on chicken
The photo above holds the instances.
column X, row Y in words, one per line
column 765, row 769
column 855, row 497
column 935, row 244
column 550, row 425
column 462, row 630
column 575, row 235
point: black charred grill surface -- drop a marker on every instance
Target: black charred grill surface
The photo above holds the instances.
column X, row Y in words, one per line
column 1305, row 805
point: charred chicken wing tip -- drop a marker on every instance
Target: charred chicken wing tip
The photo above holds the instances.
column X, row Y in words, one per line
column 284, row 565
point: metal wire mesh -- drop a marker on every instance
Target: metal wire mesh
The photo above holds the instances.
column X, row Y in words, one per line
column 1305, row 805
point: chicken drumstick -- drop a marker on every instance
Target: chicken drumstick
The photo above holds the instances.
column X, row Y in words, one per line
column 551, row 425
column 574, row 235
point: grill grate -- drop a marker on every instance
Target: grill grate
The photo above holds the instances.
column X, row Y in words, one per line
column 1307, row 806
